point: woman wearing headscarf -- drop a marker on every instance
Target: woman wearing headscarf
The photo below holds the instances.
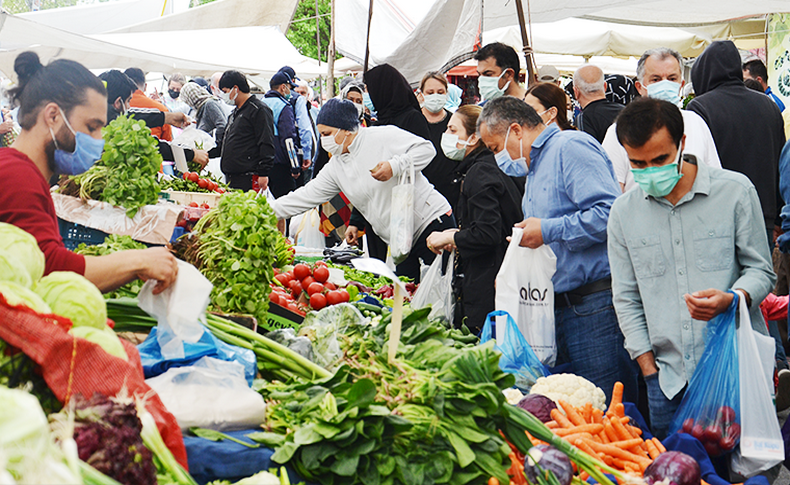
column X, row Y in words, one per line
column 210, row 115
column 365, row 166
column 395, row 101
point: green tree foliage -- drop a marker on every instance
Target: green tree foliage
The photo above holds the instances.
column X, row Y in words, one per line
column 302, row 30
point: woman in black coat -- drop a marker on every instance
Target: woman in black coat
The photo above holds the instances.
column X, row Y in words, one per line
column 489, row 205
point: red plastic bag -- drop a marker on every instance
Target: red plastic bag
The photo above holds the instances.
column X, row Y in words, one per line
column 71, row 366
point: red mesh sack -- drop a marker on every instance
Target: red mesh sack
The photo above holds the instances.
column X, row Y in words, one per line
column 70, row 365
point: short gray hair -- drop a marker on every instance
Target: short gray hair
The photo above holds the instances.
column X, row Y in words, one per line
column 583, row 82
column 661, row 53
column 177, row 77
column 498, row 114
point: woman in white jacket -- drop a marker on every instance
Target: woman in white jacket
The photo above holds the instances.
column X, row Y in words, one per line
column 365, row 166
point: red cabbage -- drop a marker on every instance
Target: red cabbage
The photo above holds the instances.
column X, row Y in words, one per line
column 538, row 405
column 678, row 467
column 542, row 459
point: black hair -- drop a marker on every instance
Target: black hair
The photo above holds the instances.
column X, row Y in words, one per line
column 118, row 85
column 63, row 82
column 551, row 95
column 234, row 78
column 643, row 117
column 757, row 69
column 136, row 75
column 754, row 84
column 504, row 56
column 498, row 114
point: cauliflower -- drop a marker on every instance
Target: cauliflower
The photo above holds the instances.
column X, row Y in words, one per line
column 512, row 395
column 570, row 388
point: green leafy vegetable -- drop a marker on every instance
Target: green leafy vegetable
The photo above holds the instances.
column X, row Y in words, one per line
column 21, row 252
column 112, row 244
column 71, row 295
column 213, row 435
column 19, row 295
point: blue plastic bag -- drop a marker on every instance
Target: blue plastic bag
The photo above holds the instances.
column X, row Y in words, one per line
column 155, row 364
column 710, row 409
column 517, row 356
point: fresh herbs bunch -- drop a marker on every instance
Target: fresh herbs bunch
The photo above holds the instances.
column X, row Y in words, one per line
column 112, row 244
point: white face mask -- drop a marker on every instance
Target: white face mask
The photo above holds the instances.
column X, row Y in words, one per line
column 450, row 148
column 435, row 102
column 489, row 86
column 226, row 97
column 331, row 146
column 360, row 109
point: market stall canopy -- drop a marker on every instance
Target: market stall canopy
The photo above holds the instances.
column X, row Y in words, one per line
column 102, row 17
column 223, row 14
column 157, row 51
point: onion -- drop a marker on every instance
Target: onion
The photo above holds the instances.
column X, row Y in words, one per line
column 548, row 459
column 677, row 467
column 538, row 405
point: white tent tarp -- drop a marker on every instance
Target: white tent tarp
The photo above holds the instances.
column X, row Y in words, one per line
column 96, row 18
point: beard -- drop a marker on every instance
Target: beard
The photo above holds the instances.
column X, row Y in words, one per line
column 66, row 142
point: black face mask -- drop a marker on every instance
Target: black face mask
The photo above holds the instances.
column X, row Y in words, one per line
column 173, row 93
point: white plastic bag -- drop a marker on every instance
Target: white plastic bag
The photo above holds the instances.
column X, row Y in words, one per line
column 195, row 139
column 178, row 309
column 761, row 445
column 305, row 230
column 524, row 290
column 436, row 289
column 210, row 394
column 402, row 216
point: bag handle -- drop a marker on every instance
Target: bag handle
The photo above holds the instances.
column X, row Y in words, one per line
column 409, row 172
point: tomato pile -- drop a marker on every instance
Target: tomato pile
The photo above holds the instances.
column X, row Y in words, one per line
column 291, row 287
column 206, row 184
column 719, row 436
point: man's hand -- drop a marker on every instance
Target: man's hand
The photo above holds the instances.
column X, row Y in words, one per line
column 158, row 264
column 706, row 304
column 6, row 126
column 382, row 172
column 263, row 183
column 441, row 241
column 352, row 235
column 532, row 237
column 306, row 163
column 201, row 158
column 179, row 120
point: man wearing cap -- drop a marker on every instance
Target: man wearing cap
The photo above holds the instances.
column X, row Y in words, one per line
column 287, row 163
column 549, row 74
column 304, row 122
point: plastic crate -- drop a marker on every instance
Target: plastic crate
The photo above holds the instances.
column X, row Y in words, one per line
column 73, row 234
column 184, row 198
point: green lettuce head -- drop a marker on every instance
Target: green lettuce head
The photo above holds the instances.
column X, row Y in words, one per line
column 13, row 270
column 16, row 294
column 73, row 296
column 23, row 248
column 105, row 338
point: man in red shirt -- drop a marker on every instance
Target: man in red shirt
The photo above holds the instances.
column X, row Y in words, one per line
column 63, row 108
column 140, row 100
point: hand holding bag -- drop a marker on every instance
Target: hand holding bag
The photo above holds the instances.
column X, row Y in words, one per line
column 402, row 216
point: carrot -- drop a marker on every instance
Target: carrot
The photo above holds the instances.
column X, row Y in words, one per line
column 587, row 412
column 597, row 415
column 493, row 481
column 619, row 410
column 622, row 433
column 573, row 437
column 659, row 445
column 609, row 429
column 571, row 413
column 560, row 418
column 624, row 464
column 585, row 428
column 580, row 444
column 635, row 432
column 626, row 444
column 552, row 425
column 604, row 437
column 652, row 450
column 617, row 394
column 616, row 452
column 583, row 476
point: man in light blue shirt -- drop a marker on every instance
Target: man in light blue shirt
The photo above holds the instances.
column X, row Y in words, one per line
column 570, row 189
column 304, row 124
column 677, row 243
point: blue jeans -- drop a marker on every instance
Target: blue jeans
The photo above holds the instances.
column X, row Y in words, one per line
column 662, row 410
column 589, row 338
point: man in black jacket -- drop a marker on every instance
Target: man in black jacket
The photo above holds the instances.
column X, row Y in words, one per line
column 248, row 145
column 598, row 113
column 747, row 126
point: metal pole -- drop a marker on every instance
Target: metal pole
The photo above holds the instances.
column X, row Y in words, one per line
column 525, row 40
column 367, row 38
column 318, row 48
column 330, row 56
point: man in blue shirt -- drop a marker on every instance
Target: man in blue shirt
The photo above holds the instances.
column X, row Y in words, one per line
column 755, row 69
column 677, row 243
column 569, row 191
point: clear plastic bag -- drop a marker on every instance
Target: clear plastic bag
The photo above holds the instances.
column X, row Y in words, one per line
column 402, row 217
column 210, row 394
column 195, row 139
column 711, row 408
column 436, row 289
column 323, row 327
column 518, row 358
column 761, row 444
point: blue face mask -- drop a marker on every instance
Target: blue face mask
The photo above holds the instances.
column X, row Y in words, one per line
column 666, row 90
column 514, row 168
column 86, row 151
column 368, row 103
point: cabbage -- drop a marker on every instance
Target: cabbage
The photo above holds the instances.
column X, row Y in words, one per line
column 540, row 406
column 11, row 269
column 22, row 247
column 104, row 338
column 73, row 296
column 19, row 295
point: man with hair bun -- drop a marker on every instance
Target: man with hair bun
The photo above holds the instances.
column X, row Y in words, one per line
column 62, row 110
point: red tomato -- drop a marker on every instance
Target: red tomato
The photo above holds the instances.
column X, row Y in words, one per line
column 301, row 271
column 289, row 275
column 321, row 274
column 314, row 288
column 296, row 288
column 202, row 183
column 220, row 190
column 333, row 298
column 205, row 205
column 194, row 177
column 307, row 281
column 330, row 286
column 292, row 306
column 193, row 204
column 274, row 297
column 344, row 295
column 186, row 176
column 320, row 263
column 317, row 301
column 283, row 279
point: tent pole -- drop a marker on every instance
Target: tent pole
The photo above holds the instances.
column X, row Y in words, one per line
column 318, row 46
column 367, row 38
column 330, row 55
column 525, row 40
